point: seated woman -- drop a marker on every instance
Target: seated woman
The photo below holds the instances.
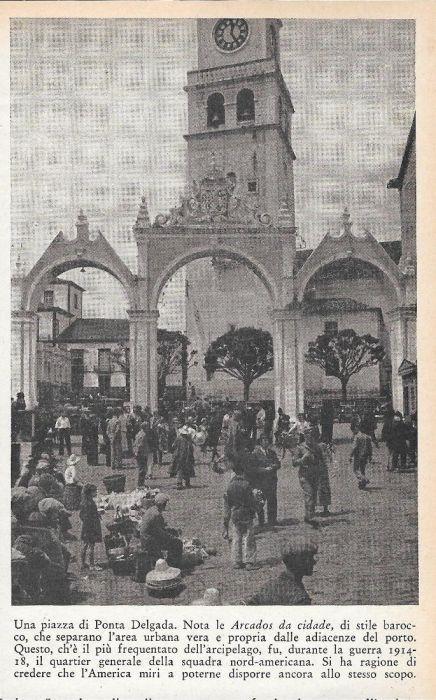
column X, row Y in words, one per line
column 156, row 537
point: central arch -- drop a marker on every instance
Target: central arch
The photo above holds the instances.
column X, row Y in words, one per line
column 211, row 251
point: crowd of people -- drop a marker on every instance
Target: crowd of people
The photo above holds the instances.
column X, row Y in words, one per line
column 244, row 444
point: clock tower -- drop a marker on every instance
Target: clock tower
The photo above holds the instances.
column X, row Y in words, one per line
column 240, row 110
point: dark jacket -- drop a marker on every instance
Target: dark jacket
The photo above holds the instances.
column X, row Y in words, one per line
column 239, row 502
column 399, row 435
column 310, row 462
column 91, row 526
column 265, row 467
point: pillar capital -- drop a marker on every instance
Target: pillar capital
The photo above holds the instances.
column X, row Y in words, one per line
column 287, row 314
column 24, row 316
column 146, row 315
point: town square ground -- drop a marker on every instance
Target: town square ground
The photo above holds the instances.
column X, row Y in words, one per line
column 367, row 547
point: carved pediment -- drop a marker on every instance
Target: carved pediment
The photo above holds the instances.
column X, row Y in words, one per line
column 215, row 201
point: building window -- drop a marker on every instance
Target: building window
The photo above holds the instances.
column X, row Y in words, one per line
column 216, row 114
column 77, row 370
column 104, row 361
column 330, row 327
column 104, row 371
column 48, row 297
column 76, row 301
column 252, row 186
column 245, row 106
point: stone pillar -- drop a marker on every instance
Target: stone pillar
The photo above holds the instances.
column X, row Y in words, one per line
column 143, row 357
column 300, row 367
column 24, row 355
column 401, row 322
column 287, row 359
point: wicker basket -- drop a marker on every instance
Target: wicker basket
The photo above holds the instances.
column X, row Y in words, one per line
column 115, row 483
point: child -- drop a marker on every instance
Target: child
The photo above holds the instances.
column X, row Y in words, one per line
column 361, row 455
column 91, row 527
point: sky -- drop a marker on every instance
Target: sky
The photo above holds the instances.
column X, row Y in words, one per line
column 98, row 114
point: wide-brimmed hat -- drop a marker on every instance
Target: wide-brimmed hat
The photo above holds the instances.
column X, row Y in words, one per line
column 72, row 459
column 163, row 576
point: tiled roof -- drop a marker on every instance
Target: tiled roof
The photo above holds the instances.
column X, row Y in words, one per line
column 87, row 330
column 337, row 306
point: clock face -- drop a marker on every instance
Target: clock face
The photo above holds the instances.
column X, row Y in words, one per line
column 230, row 34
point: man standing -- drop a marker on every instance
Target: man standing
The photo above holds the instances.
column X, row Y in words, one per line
column 309, row 462
column 266, row 464
column 399, row 435
column 239, row 511
column 142, row 450
column 63, row 428
column 361, row 454
column 114, row 435
column 327, row 420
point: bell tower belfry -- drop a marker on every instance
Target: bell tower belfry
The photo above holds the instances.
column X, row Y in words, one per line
column 240, row 109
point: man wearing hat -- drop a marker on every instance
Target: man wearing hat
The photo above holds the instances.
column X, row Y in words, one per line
column 288, row 588
column 309, row 461
column 155, row 535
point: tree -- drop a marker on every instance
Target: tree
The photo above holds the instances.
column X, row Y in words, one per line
column 173, row 356
column 344, row 353
column 243, row 353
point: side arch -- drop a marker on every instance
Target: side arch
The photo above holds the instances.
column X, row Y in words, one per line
column 365, row 249
column 196, row 253
column 62, row 256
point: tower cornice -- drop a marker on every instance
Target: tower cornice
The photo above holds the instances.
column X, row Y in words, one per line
column 248, row 70
column 241, row 129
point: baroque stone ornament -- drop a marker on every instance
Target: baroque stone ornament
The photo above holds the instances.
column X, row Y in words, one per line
column 214, row 201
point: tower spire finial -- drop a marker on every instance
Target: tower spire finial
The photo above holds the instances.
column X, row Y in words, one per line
column 143, row 218
column 346, row 221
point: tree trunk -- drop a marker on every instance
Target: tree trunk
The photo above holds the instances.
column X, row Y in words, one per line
column 344, row 383
column 246, row 390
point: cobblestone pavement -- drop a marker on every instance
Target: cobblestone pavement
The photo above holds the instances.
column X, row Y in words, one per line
column 367, row 547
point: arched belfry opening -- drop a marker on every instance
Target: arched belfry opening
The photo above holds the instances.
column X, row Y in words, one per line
column 245, row 109
column 216, row 113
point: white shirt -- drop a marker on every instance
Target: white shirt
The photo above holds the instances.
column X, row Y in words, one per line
column 62, row 422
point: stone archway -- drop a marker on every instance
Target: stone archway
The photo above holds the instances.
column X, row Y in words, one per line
column 349, row 248
column 212, row 221
column 62, row 255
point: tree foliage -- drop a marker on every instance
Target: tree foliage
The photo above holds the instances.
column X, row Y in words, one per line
column 344, row 353
column 173, row 355
column 243, row 353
